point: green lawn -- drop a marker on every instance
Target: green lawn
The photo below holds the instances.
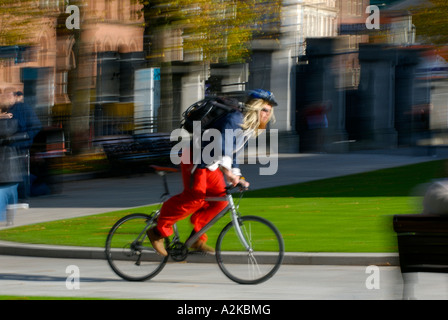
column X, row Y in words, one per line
column 346, row 214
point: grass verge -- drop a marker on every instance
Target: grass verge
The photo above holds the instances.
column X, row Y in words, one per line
column 345, row 214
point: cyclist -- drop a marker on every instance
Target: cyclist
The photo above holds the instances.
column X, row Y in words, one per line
column 205, row 180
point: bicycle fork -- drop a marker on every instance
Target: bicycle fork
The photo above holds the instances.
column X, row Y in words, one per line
column 238, row 224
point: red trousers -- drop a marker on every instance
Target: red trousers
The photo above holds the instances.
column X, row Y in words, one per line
column 202, row 183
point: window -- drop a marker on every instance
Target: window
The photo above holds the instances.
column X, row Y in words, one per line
column 57, row 5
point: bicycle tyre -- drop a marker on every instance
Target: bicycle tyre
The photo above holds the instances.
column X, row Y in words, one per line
column 254, row 267
column 129, row 259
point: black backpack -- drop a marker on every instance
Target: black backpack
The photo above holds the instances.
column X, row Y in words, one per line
column 208, row 111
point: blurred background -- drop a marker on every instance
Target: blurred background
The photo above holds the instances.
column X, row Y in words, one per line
column 109, row 93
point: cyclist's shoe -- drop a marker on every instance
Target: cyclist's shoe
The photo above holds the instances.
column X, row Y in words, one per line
column 201, row 246
column 157, row 241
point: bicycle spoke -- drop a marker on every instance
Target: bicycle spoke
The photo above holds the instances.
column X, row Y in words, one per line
column 254, row 263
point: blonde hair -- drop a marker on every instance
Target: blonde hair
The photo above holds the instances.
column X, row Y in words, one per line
column 252, row 116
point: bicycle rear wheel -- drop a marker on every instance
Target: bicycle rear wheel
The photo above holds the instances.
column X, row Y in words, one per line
column 257, row 264
column 129, row 251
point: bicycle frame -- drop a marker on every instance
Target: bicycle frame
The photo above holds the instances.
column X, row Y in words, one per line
column 230, row 207
column 193, row 238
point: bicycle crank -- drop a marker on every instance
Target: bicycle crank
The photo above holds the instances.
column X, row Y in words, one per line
column 178, row 251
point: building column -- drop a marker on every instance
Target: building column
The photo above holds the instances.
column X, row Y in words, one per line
column 377, row 93
column 407, row 96
column 317, row 82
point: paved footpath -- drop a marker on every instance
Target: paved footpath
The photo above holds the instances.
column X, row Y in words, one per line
column 92, row 196
column 35, row 276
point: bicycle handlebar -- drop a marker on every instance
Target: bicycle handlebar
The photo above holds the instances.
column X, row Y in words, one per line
column 241, row 187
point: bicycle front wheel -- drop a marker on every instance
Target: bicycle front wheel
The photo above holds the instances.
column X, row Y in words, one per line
column 256, row 264
column 129, row 251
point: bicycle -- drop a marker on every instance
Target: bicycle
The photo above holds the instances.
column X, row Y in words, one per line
column 249, row 249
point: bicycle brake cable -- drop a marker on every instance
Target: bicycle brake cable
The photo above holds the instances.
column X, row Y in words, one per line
column 239, row 200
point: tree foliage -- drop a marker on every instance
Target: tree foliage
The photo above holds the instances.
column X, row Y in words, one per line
column 18, row 20
column 431, row 22
column 214, row 30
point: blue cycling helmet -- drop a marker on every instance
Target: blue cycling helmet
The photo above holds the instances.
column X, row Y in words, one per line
column 264, row 95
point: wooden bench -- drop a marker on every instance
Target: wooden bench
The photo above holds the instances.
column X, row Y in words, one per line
column 135, row 152
column 422, row 246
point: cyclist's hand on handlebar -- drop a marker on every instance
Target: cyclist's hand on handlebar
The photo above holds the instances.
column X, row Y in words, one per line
column 231, row 178
column 234, row 179
column 243, row 183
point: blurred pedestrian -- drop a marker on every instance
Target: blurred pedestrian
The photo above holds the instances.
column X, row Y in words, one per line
column 317, row 123
column 10, row 168
column 28, row 125
column 27, row 119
